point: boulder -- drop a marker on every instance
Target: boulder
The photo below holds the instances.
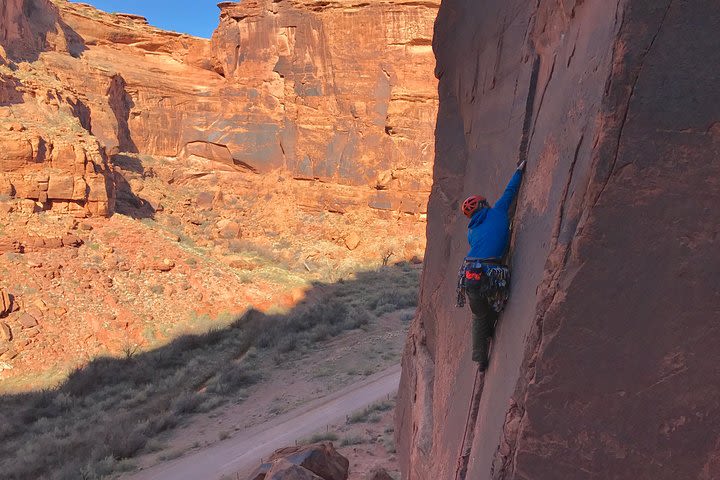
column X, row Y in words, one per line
column 5, row 301
column 163, row 266
column 320, row 458
column 53, row 242
column 9, row 353
column 260, row 473
column 70, row 240
column 229, row 229
column 15, row 153
column 5, row 332
column 9, row 245
column 6, row 187
column 61, row 187
column 352, row 241
column 27, row 321
column 208, row 151
column 204, row 200
column 285, row 470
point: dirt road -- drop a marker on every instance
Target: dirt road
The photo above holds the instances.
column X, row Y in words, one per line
column 242, row 453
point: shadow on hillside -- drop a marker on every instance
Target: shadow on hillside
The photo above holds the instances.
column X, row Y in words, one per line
column 111, row 409
column 121, row 104
column 44, row 18
column 127, row 202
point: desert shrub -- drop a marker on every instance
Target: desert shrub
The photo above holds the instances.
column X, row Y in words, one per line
column 352, row 440
column 407, row 317
column 357, row 318
column 321, row 437
column 287, row 344
column 233, row 379
column 211, row 403
column 370, row 413
column 390, row 301
column 172, row 455
column 123, row 441
column 389, row 443
column 112, row 409
column 188, row 402
column 321, row 333
column 267, row 338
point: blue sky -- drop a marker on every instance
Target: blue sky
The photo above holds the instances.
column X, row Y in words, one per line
column 196, row 17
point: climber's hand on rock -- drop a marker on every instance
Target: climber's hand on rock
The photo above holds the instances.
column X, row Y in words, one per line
column 521, row 167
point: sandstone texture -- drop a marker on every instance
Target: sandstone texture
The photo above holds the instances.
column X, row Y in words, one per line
column 604, row 364
column 47, row 152
column 284, row 470
column 336, row 92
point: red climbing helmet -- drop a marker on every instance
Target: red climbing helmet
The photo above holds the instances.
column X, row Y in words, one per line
column 471, row 204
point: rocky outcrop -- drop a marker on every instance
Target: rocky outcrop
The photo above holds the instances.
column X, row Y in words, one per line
column 604, row 364
column 336, row 92
column 319, row 460
column 65, row 177
column 5, row 303
column 284, row 470
column 14, row 26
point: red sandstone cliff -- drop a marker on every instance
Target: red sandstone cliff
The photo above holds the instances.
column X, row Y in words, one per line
column 605, row 361
column 281, row 86
column 274, row 143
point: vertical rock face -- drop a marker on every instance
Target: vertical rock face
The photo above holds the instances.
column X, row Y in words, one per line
column 605, row 361
column 47, row 154
column 335, row 90
column 12, row 21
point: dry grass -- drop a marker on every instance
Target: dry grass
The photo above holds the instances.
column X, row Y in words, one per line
column 112, row 410
column 371, row 414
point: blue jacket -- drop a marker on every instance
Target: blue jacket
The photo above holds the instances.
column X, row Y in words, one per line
column 489, row 228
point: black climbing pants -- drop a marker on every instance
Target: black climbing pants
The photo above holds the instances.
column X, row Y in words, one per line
column 483, row 322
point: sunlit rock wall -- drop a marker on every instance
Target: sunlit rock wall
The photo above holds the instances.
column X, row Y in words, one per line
column 605, row 363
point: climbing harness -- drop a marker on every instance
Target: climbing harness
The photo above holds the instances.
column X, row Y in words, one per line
column 486, row 275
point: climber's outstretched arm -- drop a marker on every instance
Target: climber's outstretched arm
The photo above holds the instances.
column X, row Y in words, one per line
column 511, row 190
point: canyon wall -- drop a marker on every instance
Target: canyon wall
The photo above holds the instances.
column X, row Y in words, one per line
column 47, row 158
column 344, row 85
column 604, row 364
column 338, row 92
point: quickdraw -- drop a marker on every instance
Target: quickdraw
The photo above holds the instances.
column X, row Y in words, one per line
column 492, row 278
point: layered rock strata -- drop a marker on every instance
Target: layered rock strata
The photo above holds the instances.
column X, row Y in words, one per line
column 48, row 156
column 604, row 364
column 335, row 92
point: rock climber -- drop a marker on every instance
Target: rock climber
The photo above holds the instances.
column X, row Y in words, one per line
column 483, row 276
